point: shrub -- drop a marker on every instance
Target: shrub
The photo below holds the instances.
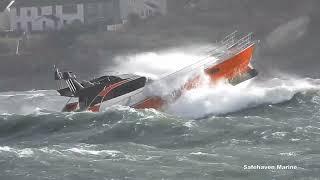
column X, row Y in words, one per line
column 134, row 19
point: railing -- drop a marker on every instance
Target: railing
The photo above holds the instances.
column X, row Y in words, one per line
column 230, row 39
column 238, row 46
column 225, row 44
column 230, row 45
column 245, row 41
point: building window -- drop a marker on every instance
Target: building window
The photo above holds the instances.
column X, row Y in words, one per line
column 39, row 11
column 19, row 26
column 55, row 24
column 29, row 12
column 54, row 11
column 18, row 11
column 69, row 9
column 65, row 22
column 44, row 25
column 29, row 26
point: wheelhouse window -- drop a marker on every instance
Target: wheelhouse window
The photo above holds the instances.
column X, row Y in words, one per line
column 69, row 9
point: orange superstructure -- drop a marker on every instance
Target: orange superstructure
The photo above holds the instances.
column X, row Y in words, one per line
column 233, row 66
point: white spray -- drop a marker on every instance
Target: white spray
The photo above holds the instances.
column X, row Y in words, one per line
column 225, row 98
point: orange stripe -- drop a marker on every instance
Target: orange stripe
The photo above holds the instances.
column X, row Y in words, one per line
column 153, row 102
column 95, row 108
column 107, row 90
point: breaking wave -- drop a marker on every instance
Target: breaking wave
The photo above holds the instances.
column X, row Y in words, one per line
column 157, row 65
column 225, row 98
column 277, row 118
column 205, row 100
column 153, row 128
column 210, row 100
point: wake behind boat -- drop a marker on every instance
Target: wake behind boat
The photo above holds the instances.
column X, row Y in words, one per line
column 229, row 61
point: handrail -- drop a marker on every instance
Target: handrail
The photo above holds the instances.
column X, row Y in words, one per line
column 226, row 43
column 245, row 41
column 230, row 38
column 242, row 42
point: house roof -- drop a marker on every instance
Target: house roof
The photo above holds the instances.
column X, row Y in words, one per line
column 31, row 3
column 150, row 4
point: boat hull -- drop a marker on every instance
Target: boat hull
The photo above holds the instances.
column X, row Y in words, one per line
column 233, row 65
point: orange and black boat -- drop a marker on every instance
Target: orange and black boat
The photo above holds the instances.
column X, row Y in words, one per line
column 229, row 61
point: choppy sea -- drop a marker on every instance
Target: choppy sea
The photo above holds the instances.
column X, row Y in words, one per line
column 209, row 133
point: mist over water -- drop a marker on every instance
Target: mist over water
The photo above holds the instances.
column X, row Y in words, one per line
column 287, row 33
column 161, row 63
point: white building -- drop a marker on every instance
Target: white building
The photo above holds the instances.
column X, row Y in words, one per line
column 143, row 8
column 42, row 15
